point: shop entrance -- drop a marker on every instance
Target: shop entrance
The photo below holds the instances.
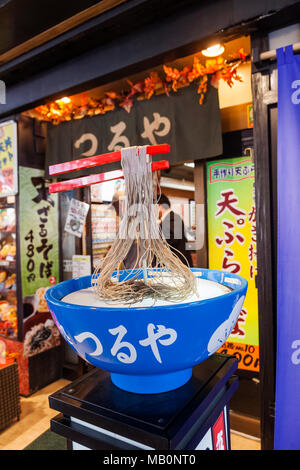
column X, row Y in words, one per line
column 193, row 195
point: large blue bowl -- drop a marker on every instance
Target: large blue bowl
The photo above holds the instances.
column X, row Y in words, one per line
column 148, row 349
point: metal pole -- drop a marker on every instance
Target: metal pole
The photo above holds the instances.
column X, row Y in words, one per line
column 271, row 55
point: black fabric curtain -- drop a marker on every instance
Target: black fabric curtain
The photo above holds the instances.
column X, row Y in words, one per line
column 192, row 130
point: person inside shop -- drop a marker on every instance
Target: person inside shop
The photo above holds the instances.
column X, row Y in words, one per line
column 173, row 229
column 130, row 261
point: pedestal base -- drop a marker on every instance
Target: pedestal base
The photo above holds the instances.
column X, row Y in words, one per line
column 96, row 414
column 149, row 384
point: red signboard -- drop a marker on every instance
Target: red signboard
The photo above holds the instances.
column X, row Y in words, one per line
column 219, row 433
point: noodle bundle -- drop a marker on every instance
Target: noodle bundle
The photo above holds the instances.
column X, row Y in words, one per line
column 158, row 271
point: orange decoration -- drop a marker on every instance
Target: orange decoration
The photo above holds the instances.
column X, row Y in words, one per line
column 212, row 72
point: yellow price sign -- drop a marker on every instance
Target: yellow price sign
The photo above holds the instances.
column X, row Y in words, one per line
column 232, row 245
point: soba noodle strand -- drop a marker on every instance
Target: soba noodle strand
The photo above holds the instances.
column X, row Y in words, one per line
column 160, row 273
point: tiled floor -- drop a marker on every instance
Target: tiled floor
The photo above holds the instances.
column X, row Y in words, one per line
column 241, row 442
column 36, row 415
column 35, row 419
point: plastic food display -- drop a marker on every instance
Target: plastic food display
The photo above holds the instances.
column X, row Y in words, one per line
column 148, row 346
column 8, row 276
column 148, row 349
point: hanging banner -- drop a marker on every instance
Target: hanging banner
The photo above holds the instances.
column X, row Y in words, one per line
column 287, row 410
column 8, row 159
column 39, row 253
column 232, row 246
column 192, row 130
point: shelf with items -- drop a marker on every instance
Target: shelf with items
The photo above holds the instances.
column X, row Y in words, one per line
column 104, row 229
column 8, row 314
column 9, row 264
column 8, row 280
column 7, row 220
column 7, row 202
column 8, row 269
column 8, row 247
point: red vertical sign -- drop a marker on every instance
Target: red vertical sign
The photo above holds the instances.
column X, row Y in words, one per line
column 219, row 433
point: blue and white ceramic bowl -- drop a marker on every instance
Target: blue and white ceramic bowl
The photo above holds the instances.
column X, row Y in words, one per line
column 148, row 349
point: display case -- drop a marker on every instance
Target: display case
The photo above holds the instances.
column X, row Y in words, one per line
column 8, row 269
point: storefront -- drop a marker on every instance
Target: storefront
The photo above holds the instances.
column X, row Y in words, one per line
column 223, row 169
column 29, row 249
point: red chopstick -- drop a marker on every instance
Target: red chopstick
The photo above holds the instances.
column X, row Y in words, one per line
column 99, row 178
column 90, row 162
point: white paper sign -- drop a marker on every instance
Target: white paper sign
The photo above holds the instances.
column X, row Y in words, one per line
column 76, row 217
column 81, row 265
column 206, row 442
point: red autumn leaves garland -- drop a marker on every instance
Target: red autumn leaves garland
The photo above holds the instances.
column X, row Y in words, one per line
column 174, row 79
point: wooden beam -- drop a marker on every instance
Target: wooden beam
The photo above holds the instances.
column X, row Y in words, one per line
column 235, row 118
column 182, row 33
column 58, row 29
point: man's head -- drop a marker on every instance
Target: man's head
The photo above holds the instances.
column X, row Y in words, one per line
column 163, row 204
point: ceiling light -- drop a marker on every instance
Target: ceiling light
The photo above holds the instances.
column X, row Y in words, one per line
column 213, row 51
column 65, row 100
column 191, row 165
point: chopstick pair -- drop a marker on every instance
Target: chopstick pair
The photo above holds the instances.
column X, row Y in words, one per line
column 98, row 160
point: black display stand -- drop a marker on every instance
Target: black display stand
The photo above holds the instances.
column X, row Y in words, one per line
column 96, row 415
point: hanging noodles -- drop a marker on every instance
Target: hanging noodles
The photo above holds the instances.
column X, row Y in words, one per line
column 160, row 273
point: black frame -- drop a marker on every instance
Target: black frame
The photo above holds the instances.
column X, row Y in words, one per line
column 235, row 144
column 264, row 88
column 20, row 336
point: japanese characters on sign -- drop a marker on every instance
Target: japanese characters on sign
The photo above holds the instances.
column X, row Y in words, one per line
column 39, row 231
column 158, row 126
column 232, row 246
column 196, row 133
column 156, row 335
column 81, row 265
column 39, row 259
column 8, row 159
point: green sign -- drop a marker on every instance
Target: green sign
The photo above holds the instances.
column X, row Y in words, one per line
column 38, row 232
column 232, row 246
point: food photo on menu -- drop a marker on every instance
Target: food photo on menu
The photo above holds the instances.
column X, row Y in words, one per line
column 40, row 331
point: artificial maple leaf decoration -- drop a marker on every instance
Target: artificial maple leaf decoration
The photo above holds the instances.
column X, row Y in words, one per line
column 112, row 95
column 217, row 69
column 152, row 83
column 127, row 104
column 242, row 53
